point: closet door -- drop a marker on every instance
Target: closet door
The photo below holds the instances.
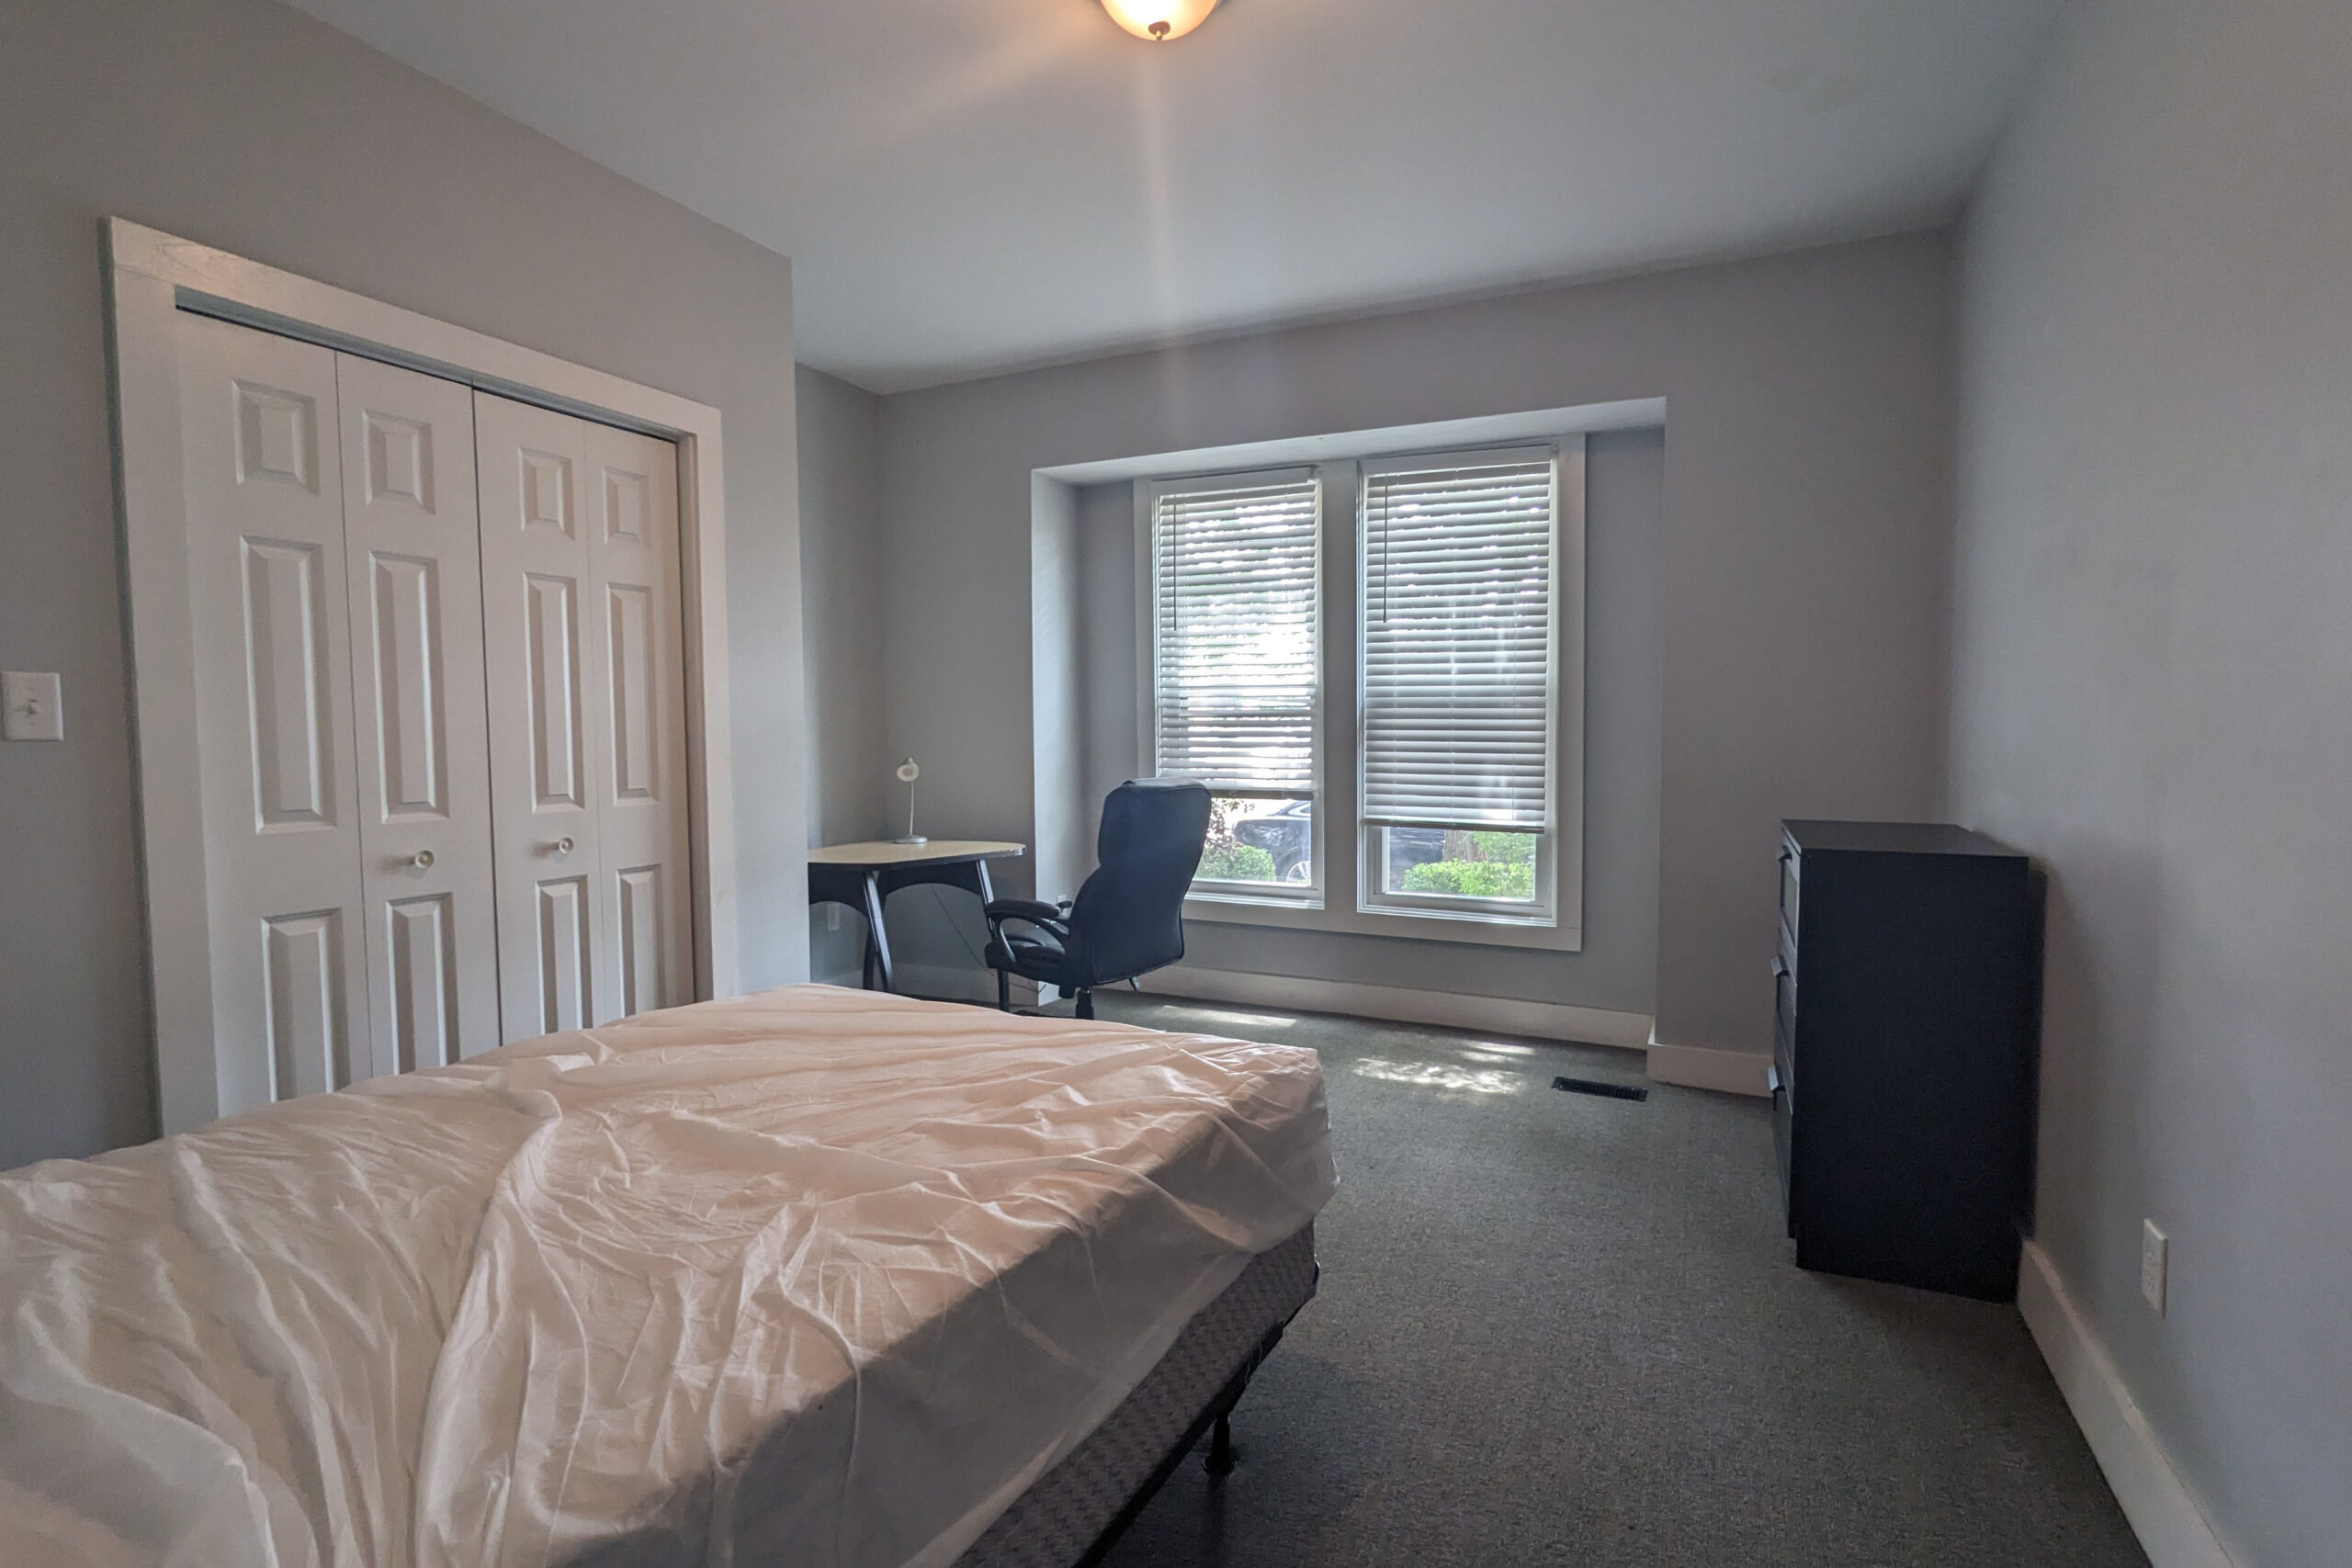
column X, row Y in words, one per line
column 413, row 575
column 642, row 798
column 543, row 730
column 263, row 469
column 587, row 705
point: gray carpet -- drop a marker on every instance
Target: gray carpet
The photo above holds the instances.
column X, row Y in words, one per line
column 1555, row 1329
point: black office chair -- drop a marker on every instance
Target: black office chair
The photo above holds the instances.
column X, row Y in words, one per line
column 1128, row 917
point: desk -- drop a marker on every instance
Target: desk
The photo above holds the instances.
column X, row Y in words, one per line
column 862, row 876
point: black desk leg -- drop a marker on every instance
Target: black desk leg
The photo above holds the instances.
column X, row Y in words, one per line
column 877, row 934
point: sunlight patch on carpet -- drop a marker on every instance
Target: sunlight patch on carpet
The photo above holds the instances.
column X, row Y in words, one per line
column 1440, row 1075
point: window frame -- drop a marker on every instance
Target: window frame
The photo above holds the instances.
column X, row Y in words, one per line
column 1340, row 910
column 1372, row 894
column 1309, row 895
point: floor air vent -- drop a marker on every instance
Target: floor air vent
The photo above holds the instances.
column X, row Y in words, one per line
column 1605, row 1090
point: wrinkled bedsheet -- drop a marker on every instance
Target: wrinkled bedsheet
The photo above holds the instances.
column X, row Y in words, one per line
column 815, row 1276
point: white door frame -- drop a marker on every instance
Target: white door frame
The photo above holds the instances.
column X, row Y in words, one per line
column 150, row 275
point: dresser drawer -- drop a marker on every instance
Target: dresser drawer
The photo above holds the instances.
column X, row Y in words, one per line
column 1784, row 1145
column 1784, row 994
column 1785, row 1063
column 1792, row 872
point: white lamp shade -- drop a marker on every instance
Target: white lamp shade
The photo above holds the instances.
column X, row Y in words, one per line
column 1159, row 19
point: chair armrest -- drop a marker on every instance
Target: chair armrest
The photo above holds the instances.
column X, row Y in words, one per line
column 1028, row 909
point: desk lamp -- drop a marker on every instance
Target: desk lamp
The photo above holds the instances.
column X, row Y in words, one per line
column 907, row 774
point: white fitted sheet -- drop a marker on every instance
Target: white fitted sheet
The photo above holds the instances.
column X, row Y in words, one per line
column 815, row 1276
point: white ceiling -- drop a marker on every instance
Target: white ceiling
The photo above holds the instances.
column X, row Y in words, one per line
column 966, row 186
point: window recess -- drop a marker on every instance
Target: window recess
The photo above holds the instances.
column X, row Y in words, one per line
column 1235, row 561
column 1458, row 685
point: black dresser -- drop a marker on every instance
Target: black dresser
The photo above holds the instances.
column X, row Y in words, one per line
column 1908, row 993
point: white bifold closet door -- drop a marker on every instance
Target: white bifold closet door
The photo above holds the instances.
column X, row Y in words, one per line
column 441, row 714
column 587, row 714
column 335, row 600
column 412, row 557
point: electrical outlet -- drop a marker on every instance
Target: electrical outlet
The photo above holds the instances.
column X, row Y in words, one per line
column 34, row 711
column 2155, row 1255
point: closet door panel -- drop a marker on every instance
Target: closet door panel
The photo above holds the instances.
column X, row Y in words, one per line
column 547, row 733
column 633, row 512
column 278, row 773
column 413, row 577
column 565, row 954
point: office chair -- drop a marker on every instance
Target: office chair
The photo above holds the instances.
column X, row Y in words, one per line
column 1128, row 917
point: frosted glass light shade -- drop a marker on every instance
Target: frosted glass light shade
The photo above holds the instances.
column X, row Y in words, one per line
column 1159, row 19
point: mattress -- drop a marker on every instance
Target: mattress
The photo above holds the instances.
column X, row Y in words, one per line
column 815, row 1277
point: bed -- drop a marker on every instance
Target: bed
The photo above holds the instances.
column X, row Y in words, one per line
column 815, row 1276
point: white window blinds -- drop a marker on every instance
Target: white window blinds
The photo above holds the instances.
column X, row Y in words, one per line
column 1233, row 665
column 1460, row 627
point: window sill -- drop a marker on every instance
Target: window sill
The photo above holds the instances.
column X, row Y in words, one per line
column 1307, row 898
column 1515, row 920
column 1413, row 926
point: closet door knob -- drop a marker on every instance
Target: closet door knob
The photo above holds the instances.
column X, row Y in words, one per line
column 422, row 860
column 563, row 846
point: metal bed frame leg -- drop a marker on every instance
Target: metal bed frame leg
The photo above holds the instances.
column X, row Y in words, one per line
column 1221, row 1460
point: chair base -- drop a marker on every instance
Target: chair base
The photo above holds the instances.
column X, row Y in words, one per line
column 1004, row 994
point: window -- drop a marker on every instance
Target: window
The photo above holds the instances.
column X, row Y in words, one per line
column 1458, row 697
column 1454, row 669
column 1235, row 563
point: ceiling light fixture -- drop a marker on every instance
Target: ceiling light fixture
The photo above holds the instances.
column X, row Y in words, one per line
column 1160, row 21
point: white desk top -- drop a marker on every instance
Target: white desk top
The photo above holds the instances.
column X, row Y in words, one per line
column 939, row 852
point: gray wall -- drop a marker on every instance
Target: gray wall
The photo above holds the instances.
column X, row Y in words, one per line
column 1624, row 533
column 2153, row 691
column 251, row 127
column 1803, row 565
column 840, row 566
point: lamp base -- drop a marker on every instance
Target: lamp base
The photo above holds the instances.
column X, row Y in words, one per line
column 912, row 838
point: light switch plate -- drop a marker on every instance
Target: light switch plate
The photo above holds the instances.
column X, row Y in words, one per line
column 30, row 705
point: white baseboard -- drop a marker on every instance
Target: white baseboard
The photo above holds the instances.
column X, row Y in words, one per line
column 2172, row 1529
column 1497, row 1015
column 1705, row 1066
